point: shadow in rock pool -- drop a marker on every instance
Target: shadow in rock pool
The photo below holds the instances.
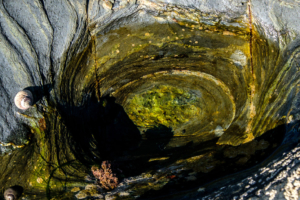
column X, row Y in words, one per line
column 157, row 138
column 102, row 130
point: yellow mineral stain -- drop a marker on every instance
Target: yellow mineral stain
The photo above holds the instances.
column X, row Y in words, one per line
column 75, row 189
column 157, row 159
column 228, row 33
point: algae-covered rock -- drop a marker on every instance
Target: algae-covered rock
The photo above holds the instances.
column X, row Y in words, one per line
column 82, row 194
column 75, row 189
column 182, row 96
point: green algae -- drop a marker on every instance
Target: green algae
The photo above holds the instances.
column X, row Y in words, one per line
column 49, row 173
column 165, row 105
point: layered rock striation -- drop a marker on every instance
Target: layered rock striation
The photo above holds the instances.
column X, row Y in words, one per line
column 174, row 92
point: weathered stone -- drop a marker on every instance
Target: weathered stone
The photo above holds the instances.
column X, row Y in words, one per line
column 133, row 81
column 191, row 178
column 75, row 189
column 82, row 194
column 91, row 187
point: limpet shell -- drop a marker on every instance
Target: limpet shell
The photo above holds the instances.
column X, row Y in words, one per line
column 24, row 99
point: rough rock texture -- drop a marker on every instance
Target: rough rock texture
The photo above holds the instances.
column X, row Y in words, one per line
column 84, row 61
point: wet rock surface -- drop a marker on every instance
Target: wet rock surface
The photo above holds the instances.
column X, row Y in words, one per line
column 189, row 99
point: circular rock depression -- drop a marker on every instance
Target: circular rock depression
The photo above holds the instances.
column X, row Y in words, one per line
column 201, row 106
column 178, row 93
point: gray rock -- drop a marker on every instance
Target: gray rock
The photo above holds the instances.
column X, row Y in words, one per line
column 39, row 40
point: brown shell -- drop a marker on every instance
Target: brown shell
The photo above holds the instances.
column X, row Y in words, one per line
column 24, row 99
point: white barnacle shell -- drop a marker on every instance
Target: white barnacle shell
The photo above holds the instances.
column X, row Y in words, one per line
column 24, row 99
column 10, row 194
column 10, row 197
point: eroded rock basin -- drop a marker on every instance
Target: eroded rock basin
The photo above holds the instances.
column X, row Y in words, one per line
column 182, row 102
column 178, row 105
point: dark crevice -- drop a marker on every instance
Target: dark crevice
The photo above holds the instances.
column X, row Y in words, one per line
column 251, row 36
column 51, row 72
column 87, row 9
column 98, row 93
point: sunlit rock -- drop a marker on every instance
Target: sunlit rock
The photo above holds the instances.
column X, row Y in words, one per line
column 188, row 99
